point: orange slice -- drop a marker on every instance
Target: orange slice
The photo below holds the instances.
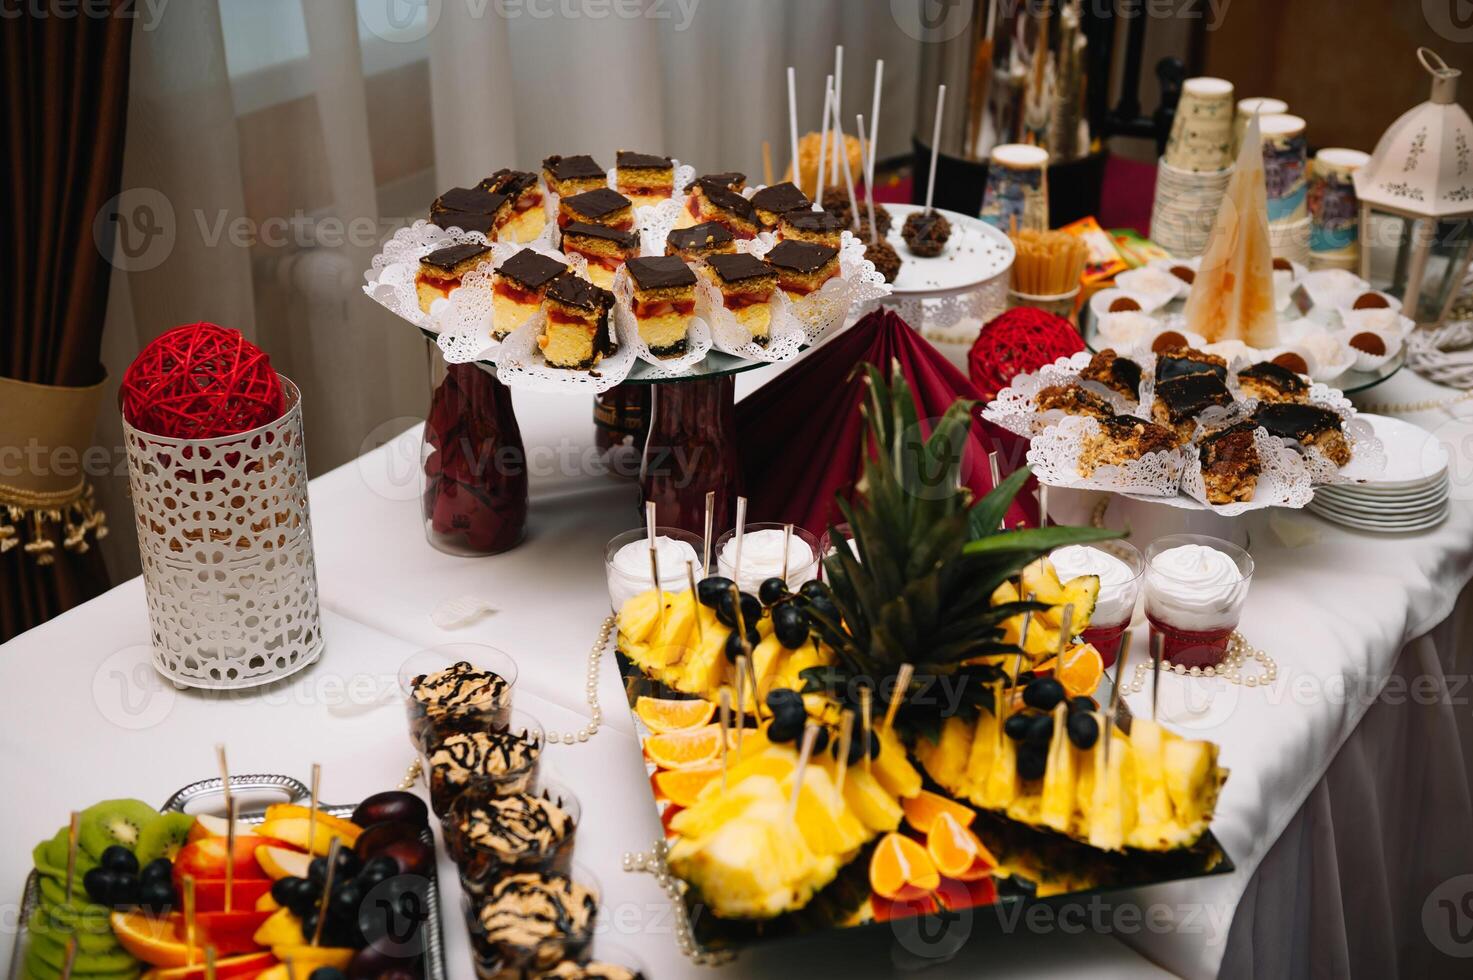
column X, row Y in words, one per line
column 673, row 714
column 688, row 749
column 682, row 786
column 901, row 870
column 956, row 851
column 923, row 808
column 1080, row 671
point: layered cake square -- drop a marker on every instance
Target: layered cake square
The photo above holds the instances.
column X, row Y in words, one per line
column 714, row 201
column 566, row 176
column 1230, row 463
column 803, row 267
column 440, row 271
column 1073, row 399
column 518, row 287
column 520, row 218
column 605, row 248
column 1178, row 362
column 1270, row 382
column 700, row 241
column 746, row 284
column 1119, row 374
column 577, row 333
column 644, row 177
column 1309, row 425
column 775, row 201
column 1180, row 400
column 467, row 208
column 1121, row 439
column 600, row 206
column 823, row 227
column 664, row 300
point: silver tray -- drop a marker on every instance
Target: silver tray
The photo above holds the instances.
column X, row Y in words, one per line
column 251, row 792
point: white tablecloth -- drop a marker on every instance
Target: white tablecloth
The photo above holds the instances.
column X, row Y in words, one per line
column 88, row 720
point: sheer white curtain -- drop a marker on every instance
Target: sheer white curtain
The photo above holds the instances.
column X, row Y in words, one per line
column 278, row 141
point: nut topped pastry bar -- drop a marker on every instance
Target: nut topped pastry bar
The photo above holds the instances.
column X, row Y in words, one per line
column 1180, row 400
column 778, row 199
column 746, row 284
column 803, row 267
column 700, row 241
column 605, row 248
column 1073, row 399
column 518, row 287
column 566, row 176
column 576, row 334
column 1309, row 425
column 600, row 206
column 440, row 271
column 643, row 177
column 1120, row 374
column 1121, row 439
column 1177, row 362
column 1230, row 463
column 1270, row 382
column 664, row 300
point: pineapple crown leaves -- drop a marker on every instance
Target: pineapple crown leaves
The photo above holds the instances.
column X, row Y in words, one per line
column 929, row 558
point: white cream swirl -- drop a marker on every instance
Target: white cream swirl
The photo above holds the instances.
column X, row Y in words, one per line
column 1118, row 585
column 629, row 573
column 762, row 558
column 1195, row 587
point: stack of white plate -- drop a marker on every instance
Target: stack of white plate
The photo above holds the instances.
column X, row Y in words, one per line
column 1411, row 494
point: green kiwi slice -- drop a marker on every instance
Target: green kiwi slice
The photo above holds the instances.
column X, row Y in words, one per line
column 88, row 941
column 50, row 857
column 114, row 822
column 53, row 893
column 163, row 837
column 38, row 969
column 52, row 952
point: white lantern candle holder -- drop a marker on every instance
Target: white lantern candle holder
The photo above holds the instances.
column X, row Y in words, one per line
column 225, row 539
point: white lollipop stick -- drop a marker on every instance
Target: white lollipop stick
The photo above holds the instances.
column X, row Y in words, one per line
column 935, row 145
column 823, row 139
column 793, row 121
column 874, row 121
column 869, row 185
column 843, row 149
column 838, row 101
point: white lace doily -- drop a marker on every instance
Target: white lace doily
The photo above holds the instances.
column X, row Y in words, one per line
column 389, row 280
column 1016, row 410
column 1283, row 482
column 826, row 307
column 784, row 335
column 1054, row 456
column 1367, row 457
column 520, row 364
column 465, row 322
column 697, row 338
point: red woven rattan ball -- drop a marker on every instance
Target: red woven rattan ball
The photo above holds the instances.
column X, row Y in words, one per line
column 1018, row 341
column 201, row 381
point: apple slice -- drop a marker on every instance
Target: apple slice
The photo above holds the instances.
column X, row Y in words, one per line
column 209, row 893
column 292, row 811
column 246, row 965
column 308, row 958
column 231, row 932
column 206, row 858
column 208, row 825
column 281, row 929
column 279, row 862
column 293, row 831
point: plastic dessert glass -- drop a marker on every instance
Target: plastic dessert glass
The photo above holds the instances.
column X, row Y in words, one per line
column 448, row 780
column 563, row 936
column 762, row 556
column 627, row 562
column 828, row 544
column 477, row 704
column 481, row 864
column 1195, row 589
column 1120, row 569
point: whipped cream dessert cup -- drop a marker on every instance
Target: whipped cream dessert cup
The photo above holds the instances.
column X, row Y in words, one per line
column 762, row 556
column 627, row 562
column 529, row 921
column 489, row 836
column 1120, row 571
column 501, row 761
column 457, row 687
column 1195, row 588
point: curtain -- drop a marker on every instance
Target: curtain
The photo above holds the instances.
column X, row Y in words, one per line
column 286, row 138
column 65, row 101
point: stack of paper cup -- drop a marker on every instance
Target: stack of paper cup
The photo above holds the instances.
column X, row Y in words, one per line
column 1286, row 174
column 1186, row 208
column 1334, row 233
column 1248, row 108
column 1017, row 188
column 1201, row 139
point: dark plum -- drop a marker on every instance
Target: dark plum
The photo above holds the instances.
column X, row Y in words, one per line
column 393, row 805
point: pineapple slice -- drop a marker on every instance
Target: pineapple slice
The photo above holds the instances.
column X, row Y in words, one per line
column 1000, row 786
column 827, row 825
column 1056, row 808
column 1192, row 781
column 874, row 807
column 892, row 768
column 1112, row 810
column 638, row 617
column 766, row 657
column 678, row 635
column 1042, row 580
column 704, row 666
column 1152, row 806
column 983, row 753
column 946, row 758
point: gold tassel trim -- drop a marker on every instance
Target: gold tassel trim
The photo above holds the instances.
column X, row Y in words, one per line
column 74, row 512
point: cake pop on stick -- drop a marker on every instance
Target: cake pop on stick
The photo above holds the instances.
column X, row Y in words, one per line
column 848, row 174
column 926, row 231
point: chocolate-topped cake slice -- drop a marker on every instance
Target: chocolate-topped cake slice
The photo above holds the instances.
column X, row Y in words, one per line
column 467, row 208
column 803, row 267
column 664, row 300
column 822, row 227
column 600, row 206
column 566, row 176
column 1178, row 362
column 529, row 922
column 778, row 199
column 747, row 284
column 644, row 177
column 1180, row 400
column 1309, row 425
column 1230, row 463
column 577, row 333
column 1073, row 399
column 440, row 271
column 732, row 180
column 713, row 201
column 521, row 217
column 1121, row 439
column 1120, row 374
column 518, row 287
column 700, row 241
column 1270, row 382
column 605, row 248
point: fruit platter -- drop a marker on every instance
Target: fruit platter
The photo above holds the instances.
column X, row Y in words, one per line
column 924, row 729
column 287, row 890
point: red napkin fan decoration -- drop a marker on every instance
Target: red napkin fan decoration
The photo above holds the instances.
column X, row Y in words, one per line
column 201, row 381
column 1018, row 341
column 799, row 435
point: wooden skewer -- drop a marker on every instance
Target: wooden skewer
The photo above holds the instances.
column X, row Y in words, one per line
column 741, row 531
column 690, row 578
column 72, row 831
column 1156, row 647
column 332, row 868
column 291, row 969
column 316, row 788
column 810, row 736
column 741, row 696
column 1115, row 694
column 710, row 529
column 767, row 162
column 902, row 684
column 787, row 540
column 995, row 472
column 189, row 920
column 1043, row 505
column 725, row 702
column 846, row 741
column 224, row 776
column 659, row 592
column 866, row 718
column 756, row 694
column 1066, row 624
column 69, row 958
column 209, row 963
column 230, row 852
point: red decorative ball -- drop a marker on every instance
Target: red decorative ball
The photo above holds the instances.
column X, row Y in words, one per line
column 201, row 381
column 1018, row 341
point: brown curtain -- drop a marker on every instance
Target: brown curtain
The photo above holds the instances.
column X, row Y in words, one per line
column 65, row 103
